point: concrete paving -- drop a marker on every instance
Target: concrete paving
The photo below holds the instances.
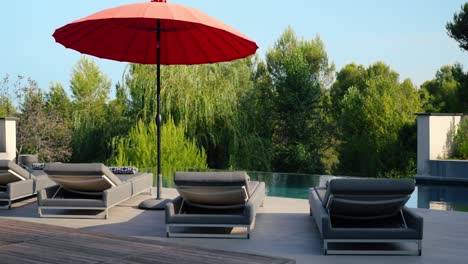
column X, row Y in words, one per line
column 283, row 228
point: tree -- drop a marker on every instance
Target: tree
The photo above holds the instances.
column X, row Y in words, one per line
column 40, row 131
column 90, row 88
column 216, row 104
column 448, row 91
column 458, row 28
column 299, row 72
column 377, row 115
column 7, row 108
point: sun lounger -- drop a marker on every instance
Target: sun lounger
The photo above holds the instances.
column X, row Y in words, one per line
column 17, row 183
column 366, row 211
column 89, row 187
column 212, row 200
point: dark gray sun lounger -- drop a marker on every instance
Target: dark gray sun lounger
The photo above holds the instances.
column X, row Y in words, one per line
column 88, row 187
column 214, row 199
column 366, row 211
column 17, row 183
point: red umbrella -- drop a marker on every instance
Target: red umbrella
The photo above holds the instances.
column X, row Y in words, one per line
column 158, row 33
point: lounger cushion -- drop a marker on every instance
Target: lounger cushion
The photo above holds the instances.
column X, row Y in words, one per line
column 367, row 198
column 86, row 177
column 234, row 178
column 11, row 172
column 215, row 190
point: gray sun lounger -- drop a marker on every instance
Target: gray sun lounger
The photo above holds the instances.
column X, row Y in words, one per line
column 17, row 183
column 214, row 200
column 366, row 211
column 90, row 187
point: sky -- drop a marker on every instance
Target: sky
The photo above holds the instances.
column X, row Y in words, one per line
column 408, row 35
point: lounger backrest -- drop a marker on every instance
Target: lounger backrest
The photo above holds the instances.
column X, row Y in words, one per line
column 367, row 198
column 82, row 177
column 12, row 172
column 216, row 190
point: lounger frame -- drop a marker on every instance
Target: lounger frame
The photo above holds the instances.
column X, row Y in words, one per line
column 416, row 252
column 10, row 201
column 169, row 233
column 103, row 215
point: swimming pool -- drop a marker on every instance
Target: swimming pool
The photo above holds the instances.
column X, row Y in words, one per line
column 432, row 196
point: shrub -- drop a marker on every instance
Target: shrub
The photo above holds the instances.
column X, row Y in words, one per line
column 461, row 140
column 139, row 149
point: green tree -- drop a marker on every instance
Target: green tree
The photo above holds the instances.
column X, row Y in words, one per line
column 300, row 72
column 7, row 109
column 351, row 75
column 377, row 115
column 458, row 28
column 447, row 92
column 92, row 136
column 89, row 86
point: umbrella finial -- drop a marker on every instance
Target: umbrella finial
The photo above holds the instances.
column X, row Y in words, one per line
column 160, row 1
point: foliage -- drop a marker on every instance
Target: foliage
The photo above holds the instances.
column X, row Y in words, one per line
column 40, row 131
column 6, row 106
column 216, row 104
column 138, row 148
column 458, row 28
column 92, row 128
column 377, row 117
column 447, row 92
column 89, row 86
column 299, row 71
column 461, row 140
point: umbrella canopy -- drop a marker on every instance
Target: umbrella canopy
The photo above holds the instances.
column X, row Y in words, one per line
column 158, row 33
column 128, row 33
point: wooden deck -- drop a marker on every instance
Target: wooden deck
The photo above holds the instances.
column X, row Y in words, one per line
column 26, row 242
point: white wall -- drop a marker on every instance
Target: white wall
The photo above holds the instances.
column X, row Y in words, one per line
column 8, row 138
column 435, row 138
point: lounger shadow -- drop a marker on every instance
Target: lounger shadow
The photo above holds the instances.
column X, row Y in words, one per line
column 210, row 200
column 366, row 211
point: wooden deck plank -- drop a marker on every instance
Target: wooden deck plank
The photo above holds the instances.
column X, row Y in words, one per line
column 31, row 243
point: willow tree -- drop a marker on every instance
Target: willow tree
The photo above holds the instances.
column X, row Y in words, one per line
column 210, row 103
column 299, row 72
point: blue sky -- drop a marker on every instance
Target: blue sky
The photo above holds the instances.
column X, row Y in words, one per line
column 409, row 35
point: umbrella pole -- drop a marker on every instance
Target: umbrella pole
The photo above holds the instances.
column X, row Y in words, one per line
column 158, row 107
column 158, row 203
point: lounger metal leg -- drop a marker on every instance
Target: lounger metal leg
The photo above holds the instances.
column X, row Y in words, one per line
column 7, row 206
column 325, row 246
column 419, row 247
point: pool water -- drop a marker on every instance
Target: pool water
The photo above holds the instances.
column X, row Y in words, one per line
column 432, row 196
